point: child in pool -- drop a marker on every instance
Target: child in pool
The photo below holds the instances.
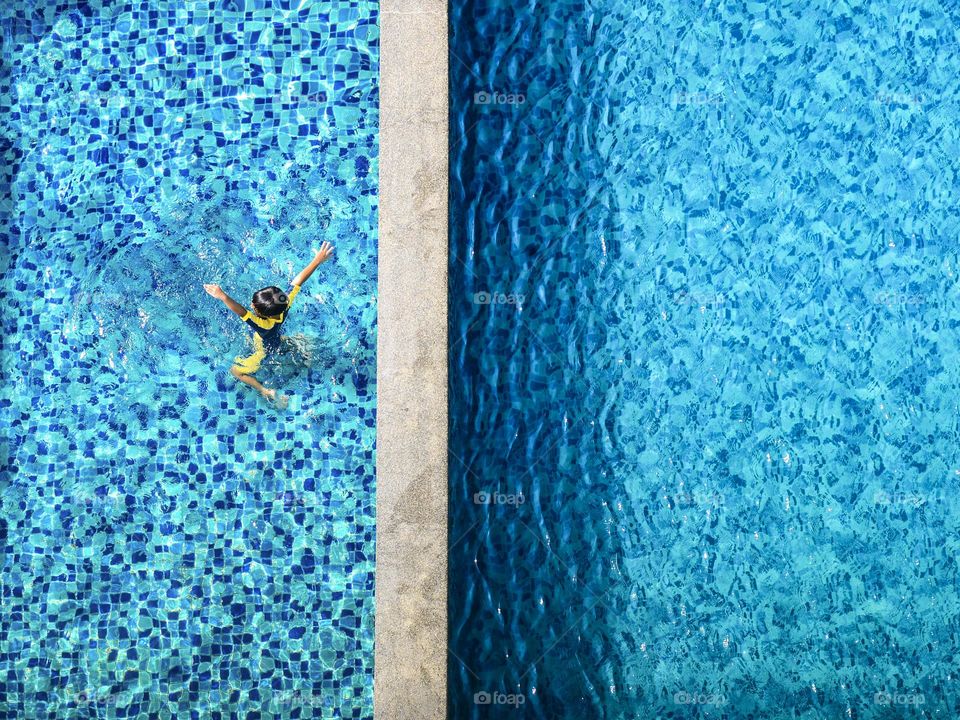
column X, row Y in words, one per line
column 270, row 307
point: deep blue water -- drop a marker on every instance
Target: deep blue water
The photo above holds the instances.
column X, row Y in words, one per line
column 704, row 342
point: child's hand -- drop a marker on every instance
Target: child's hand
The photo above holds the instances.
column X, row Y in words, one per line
column 215, row 291
column 324, row 253
column 319, row 258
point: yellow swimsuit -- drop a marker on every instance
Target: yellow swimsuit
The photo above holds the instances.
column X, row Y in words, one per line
column 266, row 336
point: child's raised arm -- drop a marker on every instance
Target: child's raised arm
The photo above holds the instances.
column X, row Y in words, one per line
column 219, row 294
column 323, row 254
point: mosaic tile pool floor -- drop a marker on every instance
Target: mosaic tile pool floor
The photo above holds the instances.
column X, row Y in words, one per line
column 169, row 546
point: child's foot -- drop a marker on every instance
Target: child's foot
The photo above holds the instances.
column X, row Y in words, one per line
column 278, row 401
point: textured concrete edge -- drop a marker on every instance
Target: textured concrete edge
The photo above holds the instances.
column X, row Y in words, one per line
column 410, row 633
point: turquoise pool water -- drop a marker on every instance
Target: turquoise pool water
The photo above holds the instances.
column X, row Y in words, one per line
column 170, row 547
column 704, row 360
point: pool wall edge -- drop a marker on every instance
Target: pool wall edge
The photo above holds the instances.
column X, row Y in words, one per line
column 410, row 634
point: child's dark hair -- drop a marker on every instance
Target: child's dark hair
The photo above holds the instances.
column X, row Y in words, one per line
column 270, row 302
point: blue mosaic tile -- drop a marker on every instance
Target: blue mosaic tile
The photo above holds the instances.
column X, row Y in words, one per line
column 170, row 547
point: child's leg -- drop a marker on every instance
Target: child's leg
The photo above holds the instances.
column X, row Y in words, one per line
column 244, row 367
column 249, row 380
column 271, row 395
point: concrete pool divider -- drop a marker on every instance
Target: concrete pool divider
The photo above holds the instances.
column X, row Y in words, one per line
column 410, row 633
